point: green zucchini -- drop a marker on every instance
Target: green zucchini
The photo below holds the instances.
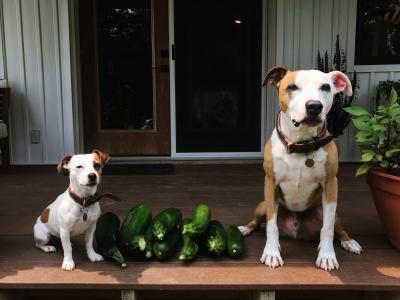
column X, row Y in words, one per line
column 200, row 220
column 166, row 248
column 215, row 238
column 190, row 247
column 106, row 237
column 149, row 239
column 166, row 221
column 131, row 234
column 234, row 242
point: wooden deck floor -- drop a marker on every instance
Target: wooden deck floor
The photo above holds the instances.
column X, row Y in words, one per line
column 232, row 191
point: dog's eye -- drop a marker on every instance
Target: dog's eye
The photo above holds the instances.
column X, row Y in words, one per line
column 79, row 167
column 325, row 87
column 97, row 166
column 292, row 88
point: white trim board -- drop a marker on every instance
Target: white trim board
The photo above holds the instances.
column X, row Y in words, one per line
column 375, row 68
column 216, row 155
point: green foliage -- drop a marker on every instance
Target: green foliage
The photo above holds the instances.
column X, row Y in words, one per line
column 383, row 90
column 338, row 119
column 379, row 135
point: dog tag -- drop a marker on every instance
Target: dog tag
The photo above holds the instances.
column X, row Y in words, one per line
column 309, row 163
column 84, row 217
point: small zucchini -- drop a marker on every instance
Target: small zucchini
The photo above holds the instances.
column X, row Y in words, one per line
column 190, row 247
column 131, row 234
column 106, row 233
column 166, row 248
column 149, row 239
column 234, row 242
column 166, row 221
column 215, row 238
column 200, row 220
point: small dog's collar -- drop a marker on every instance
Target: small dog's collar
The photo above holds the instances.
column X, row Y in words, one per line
column 88, row 201
column 305, row 146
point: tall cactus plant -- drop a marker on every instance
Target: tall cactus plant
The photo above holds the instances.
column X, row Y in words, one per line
column 338, row 119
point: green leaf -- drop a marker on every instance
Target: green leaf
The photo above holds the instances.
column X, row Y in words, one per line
column 356, row 110
column 384, row 164
column 363, row 133
column 360, row 124
column 393, row 96
column 378, row 127
column 367, row 156
column 363, row 169
column 392, row 152
column 395, row 112
column 378, row 157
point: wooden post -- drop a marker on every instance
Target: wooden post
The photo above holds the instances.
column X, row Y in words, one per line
column 128, row 295
column 261, row 295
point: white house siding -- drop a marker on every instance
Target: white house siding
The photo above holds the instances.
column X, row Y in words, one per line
column 37, row 60
column 305, row 26
column 36, row 65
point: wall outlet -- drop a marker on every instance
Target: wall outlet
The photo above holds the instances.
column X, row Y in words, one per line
column 35, row 136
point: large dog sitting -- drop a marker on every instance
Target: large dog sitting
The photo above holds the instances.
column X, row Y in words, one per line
column 301, row 163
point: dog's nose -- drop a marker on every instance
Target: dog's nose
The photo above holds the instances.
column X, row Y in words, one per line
column 92, row 176
column 314, row 107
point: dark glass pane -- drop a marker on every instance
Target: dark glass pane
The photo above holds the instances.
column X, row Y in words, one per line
column 218, row 75
column 378, row 32
column 125, row 62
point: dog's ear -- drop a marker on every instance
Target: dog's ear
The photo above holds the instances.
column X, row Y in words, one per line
column 341, row 83
column 102, row 156
column 275, row 75
column 63, row 166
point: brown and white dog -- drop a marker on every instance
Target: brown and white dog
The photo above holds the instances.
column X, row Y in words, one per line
column 301, row 163
column 75, row 211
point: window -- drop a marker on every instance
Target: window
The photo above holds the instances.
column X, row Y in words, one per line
column 378, row 32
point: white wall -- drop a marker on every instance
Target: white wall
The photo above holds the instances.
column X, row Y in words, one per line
column 37, row 67
column 305, row 26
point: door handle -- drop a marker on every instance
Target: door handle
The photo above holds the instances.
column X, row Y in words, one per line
column 162, row 68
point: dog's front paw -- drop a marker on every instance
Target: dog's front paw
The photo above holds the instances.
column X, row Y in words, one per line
column 68, row 265
column 327, row 260
column 271, row 258
column 95, row 257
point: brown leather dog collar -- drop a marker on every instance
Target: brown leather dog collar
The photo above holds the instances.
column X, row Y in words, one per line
column 85, row 202
column 305, row 146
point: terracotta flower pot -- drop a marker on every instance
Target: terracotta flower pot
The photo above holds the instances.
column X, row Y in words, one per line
column 385, row 190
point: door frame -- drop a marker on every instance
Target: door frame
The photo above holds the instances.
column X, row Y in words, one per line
column 266, row 126
column 263, row 94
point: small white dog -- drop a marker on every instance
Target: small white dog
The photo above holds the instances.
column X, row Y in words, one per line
column 75, row 211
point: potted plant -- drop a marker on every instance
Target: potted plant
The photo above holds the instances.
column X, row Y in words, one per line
column 379, row 141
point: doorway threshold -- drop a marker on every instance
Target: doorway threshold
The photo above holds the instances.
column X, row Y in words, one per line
column 119, row 160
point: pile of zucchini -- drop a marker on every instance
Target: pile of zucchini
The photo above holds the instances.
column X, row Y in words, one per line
column 142, row 235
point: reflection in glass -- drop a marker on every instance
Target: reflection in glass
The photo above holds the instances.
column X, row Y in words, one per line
column 378, row 32
column 218, row 75
column 125, row 64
